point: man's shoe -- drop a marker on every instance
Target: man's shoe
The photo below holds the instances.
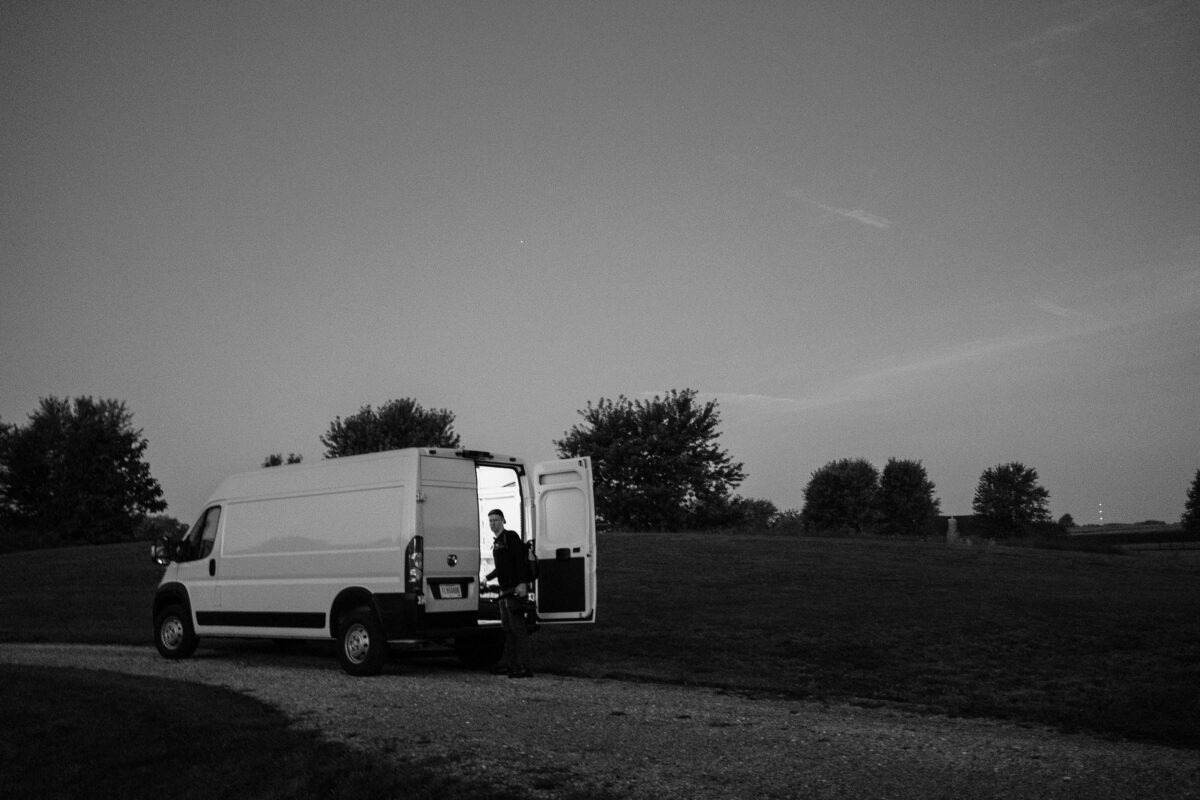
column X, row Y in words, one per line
column 521, row 673
column 500, row 669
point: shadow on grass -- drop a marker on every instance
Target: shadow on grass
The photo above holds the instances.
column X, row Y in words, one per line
column 79, row 733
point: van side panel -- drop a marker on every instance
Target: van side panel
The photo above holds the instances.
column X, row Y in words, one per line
column 346, row 521
column 291, row 556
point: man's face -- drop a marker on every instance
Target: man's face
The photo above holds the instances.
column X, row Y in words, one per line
column 496, row 522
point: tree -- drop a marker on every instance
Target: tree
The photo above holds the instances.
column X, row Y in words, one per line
column 158, row 525
column 753, row 512
column 76, row 473
column 1066, row 522
column 905, row 501
column 841, row 496
column 656, row 464
column 397, row 424
column 738, row 513
column 276, row 459
column 789, row 520
column 1191, row 509
column 1010, row 496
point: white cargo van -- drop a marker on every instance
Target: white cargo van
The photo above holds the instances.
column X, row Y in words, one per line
column 377, row 550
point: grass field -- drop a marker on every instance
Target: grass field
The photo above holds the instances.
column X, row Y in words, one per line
column 1101, row 643
column 1137, row 537
column 1105, row 644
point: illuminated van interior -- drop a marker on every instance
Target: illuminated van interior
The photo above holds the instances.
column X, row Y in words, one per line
column 498, row 487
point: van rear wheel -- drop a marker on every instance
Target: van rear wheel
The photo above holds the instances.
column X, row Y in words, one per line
column 362, row 647
column 173, row 633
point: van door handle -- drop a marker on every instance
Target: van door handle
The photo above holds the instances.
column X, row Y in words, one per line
column 212, row 566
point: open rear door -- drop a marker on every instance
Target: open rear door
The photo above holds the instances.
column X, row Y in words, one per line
column 565, row 540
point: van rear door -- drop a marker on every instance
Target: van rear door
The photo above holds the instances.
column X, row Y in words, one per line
column 448, row 514
column 565, row 540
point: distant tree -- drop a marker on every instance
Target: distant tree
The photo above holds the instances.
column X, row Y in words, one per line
column 1010, row 496
column 656, row 465
column 276, row 459
column 755, row 512
column 76, row 473
column 737, row 512
column 789, row 519
column 397, row 424
column 1191, row 508
column 841, row 496
column 905, row 502
column 1066, row 522
column 158, row 525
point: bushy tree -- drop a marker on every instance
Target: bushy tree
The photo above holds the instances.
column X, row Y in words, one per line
column 841, row 496
column 160, row 525
column 76, row 473
column 1010, row 496
column 905, row 502
column 790, row 520
column 397, row 424
column 1191, row 508
column 656, row 465
column 276, row 459
column 753, row 512
column 738, row 513
column 1066, row 522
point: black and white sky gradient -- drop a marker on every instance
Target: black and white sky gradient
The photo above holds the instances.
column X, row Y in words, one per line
column 964, row 233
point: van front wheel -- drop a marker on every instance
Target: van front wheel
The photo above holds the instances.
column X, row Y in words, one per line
column 173, row 633
column 362, row 647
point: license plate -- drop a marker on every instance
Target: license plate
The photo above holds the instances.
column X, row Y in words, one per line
column 451, row 591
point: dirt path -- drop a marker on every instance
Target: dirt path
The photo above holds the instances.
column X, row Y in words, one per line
column 549, row 734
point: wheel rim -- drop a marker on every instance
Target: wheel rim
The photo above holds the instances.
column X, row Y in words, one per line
column 357, row 643
column 172, row 633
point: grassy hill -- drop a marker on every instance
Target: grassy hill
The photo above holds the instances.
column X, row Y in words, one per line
column 1135, row 536
column 1103, row 643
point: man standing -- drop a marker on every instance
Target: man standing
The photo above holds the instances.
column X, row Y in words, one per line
column 512, row 573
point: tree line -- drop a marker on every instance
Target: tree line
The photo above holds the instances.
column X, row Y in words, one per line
column 851, row 496
column 76, row 473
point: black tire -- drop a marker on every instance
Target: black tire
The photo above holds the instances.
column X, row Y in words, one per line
column 362, row 648
column 480, row 650
column 174, row 635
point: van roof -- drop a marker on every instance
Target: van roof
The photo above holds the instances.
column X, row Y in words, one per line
column 369, row 469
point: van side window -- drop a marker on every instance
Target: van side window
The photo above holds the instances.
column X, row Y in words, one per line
column 209, row 535
column 199, row 540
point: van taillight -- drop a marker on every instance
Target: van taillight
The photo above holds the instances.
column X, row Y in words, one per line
column 414, row 565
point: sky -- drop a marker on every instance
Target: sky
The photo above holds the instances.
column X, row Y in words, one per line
column 960, row 233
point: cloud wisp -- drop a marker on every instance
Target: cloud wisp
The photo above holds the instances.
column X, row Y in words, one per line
column 1173, row 295
column 888, row 378
column 1050, row 307
column 856, row 214
column 1060, row 33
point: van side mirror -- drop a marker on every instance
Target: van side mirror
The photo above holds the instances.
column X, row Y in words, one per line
column 164, row 550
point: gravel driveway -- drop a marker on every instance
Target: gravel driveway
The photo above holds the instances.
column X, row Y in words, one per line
column 549, row 733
